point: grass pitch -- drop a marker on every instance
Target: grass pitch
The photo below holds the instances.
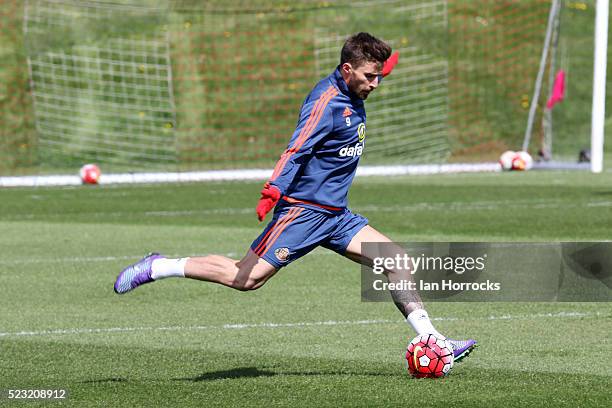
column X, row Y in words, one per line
column 305, row 338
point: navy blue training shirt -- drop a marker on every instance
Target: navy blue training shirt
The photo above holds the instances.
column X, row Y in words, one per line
column 321, row 159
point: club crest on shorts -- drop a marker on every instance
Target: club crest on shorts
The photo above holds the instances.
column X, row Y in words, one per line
column 281, row 254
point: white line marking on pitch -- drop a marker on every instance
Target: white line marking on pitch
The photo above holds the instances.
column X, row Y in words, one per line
column 133, row 258
column 67, row 259
column 241, row 326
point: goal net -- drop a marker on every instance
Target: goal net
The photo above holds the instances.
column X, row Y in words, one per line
column 101, row 83
column 138, row 85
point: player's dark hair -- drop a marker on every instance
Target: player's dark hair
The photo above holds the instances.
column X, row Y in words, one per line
column 363, row 47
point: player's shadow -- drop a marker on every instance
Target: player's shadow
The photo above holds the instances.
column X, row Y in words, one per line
column 602, row 193
column 254, row 372
column 243, row 372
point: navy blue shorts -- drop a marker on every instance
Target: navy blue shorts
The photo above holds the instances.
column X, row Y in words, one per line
column 294, row 231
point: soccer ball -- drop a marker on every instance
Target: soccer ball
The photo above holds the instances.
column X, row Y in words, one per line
column 429, row 356
column 511, row 160
column 522, row 161
column 90, row 174
column 506, row 160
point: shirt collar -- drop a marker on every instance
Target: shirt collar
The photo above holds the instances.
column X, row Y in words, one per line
column 341, row 83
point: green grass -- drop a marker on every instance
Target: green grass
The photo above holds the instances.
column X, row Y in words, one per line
column 169, row 343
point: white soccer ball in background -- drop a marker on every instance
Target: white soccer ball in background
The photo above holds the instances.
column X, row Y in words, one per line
column 522, row 161
column 506, row 159
column 90, row 174
column 511, row 160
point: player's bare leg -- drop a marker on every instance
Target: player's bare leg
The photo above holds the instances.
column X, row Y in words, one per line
column 250, row 273
column 408, row 302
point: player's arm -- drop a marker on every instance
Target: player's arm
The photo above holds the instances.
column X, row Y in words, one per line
column 316, row 121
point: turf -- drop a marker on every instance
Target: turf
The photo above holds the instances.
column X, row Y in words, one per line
column 305, row 338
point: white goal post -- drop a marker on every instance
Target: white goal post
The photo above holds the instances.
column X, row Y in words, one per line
column 598, row 114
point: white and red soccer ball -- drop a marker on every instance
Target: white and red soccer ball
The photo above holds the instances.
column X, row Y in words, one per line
column 429, row 356
column 520, row 161
column 90, row 174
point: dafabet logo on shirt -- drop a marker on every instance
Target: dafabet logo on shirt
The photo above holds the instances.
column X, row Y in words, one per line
column 357, row 149
column 351, row 151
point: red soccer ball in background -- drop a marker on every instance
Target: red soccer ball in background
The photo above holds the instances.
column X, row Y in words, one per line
column 429, row 356
column 90, row 174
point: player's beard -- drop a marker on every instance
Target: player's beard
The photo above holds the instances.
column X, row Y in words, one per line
column 362, row 93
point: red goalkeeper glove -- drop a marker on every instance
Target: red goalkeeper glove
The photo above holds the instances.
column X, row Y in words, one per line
column 269, row 197
column 390, row 63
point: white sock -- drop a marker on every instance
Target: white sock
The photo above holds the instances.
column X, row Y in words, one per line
column 419, row 320
column 167, row 268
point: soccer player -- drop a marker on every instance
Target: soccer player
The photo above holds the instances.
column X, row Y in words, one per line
column 308, row 191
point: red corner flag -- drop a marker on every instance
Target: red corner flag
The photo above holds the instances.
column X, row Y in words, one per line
column 558, row 90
